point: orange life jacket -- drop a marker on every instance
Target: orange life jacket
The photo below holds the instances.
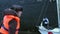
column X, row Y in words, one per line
column 6, row 20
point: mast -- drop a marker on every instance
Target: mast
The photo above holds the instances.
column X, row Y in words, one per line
column 58, row 12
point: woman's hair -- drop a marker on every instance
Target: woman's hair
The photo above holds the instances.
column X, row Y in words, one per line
column 9, row 11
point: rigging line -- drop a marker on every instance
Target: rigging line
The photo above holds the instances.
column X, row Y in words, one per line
column 41, row 12
column 46, row 9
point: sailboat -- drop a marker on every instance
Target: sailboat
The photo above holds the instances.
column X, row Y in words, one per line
column 43, row 30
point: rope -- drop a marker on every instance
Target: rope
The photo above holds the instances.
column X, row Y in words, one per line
column 46, row 8
column 42, row 11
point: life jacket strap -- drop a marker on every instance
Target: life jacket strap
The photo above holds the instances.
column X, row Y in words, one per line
column 4, row 28
column 7, row 29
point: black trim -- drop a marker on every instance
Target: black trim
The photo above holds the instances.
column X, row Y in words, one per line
column 4, row 28
column 7, row 29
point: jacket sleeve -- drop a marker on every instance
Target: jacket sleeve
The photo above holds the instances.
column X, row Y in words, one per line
column 12, row 26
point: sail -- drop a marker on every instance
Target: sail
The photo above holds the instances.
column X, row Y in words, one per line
column 58, row 11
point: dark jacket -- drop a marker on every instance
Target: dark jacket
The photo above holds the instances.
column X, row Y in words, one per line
column 12, row 27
